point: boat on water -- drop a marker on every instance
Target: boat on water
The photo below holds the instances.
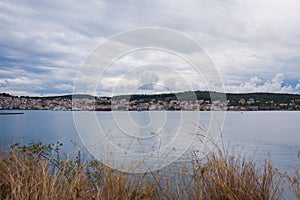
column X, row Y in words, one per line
column 11, row 113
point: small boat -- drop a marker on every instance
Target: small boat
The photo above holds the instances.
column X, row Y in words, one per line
column 11, row 113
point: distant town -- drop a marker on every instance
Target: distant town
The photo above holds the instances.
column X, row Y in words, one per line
column 170, row 101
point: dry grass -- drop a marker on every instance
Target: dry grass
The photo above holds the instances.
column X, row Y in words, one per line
column 37, row 171
column 235, row 177
column 294, row 180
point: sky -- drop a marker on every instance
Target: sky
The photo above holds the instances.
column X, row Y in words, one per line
column 253, row 45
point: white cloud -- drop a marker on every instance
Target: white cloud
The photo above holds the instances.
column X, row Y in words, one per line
column 64, row 87
column 19, row 81
column 298, row 86
column 255, row 84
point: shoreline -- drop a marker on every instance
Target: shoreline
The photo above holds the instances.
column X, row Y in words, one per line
column 8, row 113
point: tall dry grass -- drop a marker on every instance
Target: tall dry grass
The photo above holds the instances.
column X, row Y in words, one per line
column 38, row 171
column 223, row 176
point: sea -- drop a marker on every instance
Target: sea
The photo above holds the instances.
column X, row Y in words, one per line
column 273, row 135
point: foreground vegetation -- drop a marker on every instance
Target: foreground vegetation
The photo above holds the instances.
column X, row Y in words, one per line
column 39, row 171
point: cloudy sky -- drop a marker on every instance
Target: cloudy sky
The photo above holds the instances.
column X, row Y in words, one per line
column 254, row 45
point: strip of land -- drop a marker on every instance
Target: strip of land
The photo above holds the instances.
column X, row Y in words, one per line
column 190, row 100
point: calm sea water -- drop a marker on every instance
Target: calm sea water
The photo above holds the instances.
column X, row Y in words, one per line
column 273, row 134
